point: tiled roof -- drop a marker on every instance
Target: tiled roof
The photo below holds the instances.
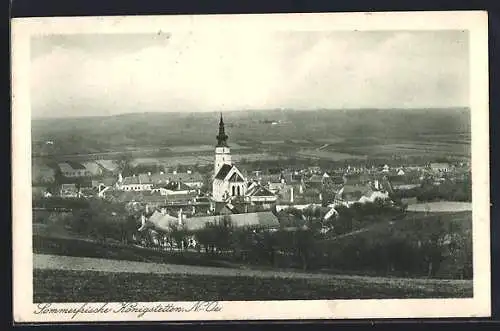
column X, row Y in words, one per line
column 65, row 167
column 259, row 191
column 402, row 180
column 109, row 165
column 162, row 221
column 92, row 167
column 315, row 179
column 223, row 171
column 159, row 178
column 265, row 219
column 68, row 186
column 355, row 192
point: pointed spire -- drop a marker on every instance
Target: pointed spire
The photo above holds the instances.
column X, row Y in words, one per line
column 222, row 137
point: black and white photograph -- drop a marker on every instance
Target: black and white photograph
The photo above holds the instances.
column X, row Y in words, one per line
column 251, row 167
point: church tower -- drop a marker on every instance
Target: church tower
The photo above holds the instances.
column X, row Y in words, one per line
column 222, row 152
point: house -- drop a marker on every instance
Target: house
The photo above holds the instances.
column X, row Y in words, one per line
column 350, row 194
column 108, row 166
column 257, row 194
column 356, row 179
column 266, row 220
column 73, row 169
column 192, row 179
column 440, row 167
column 287, row 194
column 141, row 182
column 93, row 168
column 403, row 182
column 161, row 220
column 69, row 191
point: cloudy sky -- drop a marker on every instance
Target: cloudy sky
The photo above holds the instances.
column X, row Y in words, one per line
column 79, row 75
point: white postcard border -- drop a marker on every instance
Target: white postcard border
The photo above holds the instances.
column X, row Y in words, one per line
column 474, row 22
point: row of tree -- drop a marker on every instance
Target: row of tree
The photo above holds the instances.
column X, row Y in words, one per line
column 460, row 190
column 367, row 238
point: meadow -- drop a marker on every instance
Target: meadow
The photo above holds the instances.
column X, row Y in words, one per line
column 95, row 286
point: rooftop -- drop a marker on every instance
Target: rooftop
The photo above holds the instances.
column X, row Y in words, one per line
column 223, row 171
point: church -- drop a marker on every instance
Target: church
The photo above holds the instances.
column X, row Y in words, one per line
column 228, row 181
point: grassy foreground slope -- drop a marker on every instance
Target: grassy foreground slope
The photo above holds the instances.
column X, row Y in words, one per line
column 93, row 286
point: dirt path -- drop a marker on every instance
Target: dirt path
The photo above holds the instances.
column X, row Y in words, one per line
column 57, row 262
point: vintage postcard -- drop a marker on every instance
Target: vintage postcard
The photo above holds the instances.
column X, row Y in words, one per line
column 250, row 167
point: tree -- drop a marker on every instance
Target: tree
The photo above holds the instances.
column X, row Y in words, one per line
column 103, row 220
column 178, row 233
column 124, row 164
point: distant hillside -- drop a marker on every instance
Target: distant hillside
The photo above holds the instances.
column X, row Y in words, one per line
column 170, row 129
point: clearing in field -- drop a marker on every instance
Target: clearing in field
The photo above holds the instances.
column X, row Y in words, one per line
column 441, row 207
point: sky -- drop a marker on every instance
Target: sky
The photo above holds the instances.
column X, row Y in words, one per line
column 110, row 74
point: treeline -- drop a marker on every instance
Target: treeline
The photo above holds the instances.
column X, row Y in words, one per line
column 59, row 203
column 93, row 218
column 419, row 248
column 447, row 191
column 371, row 239
column 422, row 247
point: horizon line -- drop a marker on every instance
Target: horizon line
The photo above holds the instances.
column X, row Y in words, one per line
column 245, row 110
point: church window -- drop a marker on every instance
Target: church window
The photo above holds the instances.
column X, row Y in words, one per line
column 239, row 192
column 233, row 189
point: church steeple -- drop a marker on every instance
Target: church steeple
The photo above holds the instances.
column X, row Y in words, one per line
column 222, row 136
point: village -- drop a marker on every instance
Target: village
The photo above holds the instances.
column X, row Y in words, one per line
column 251, row 199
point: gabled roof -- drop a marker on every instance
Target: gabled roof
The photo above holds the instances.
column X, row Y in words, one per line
column 264, row 219
column 109, row 165
column 162, row 178
column 223, row 171
column 355, row 192
column 162, row 221
column 315, row 179
column 259, row 191
column 92, row 167
column 236, row 178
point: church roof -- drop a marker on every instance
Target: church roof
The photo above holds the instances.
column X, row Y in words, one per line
column 260, row 191
column 223, row 171
column 236, row 178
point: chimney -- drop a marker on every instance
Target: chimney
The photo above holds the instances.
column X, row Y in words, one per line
column 179, row 186
column 147, row 209
column 179, row 217
column 291, row 194
column 175, row 172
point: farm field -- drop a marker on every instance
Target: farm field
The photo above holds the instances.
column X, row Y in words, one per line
column 330, row 155
column 441, row 207
column 155, row 133
column 413, row 149
column 52, row 285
